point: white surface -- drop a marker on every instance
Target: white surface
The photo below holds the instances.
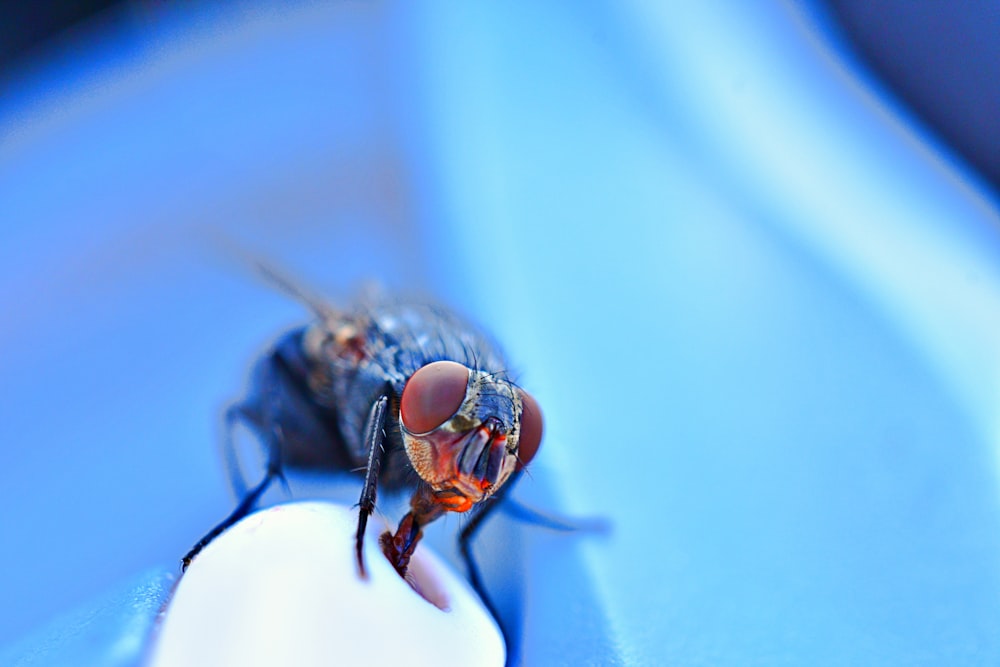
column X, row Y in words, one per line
column 282, row 588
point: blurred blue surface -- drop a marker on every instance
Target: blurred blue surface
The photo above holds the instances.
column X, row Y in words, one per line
column 758, row 309
column 110, row 631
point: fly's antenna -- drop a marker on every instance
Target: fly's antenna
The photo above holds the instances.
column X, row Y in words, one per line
column 244, row 258
column 283, row 283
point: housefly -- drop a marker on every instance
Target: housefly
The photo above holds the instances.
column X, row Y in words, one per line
column 407, row 394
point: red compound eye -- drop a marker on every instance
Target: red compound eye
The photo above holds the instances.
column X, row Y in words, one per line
column 433, row 395
column 531, row 429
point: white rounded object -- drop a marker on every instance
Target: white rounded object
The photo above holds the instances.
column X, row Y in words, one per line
column 282, row 587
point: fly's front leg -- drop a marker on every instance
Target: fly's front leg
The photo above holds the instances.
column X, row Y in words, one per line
column 374, row 438
column 399, row 548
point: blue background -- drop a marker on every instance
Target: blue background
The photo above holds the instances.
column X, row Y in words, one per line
column 757, row 306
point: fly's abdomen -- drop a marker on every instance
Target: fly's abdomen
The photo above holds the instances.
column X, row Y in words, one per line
column 284, row 407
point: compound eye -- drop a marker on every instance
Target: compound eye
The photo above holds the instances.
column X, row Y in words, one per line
column 531, row 429
column 433, row 395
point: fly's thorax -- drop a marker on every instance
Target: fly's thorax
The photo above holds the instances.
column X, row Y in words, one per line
column 337, row 340
column 470, row 454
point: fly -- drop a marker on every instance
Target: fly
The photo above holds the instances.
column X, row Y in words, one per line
column 408, row 394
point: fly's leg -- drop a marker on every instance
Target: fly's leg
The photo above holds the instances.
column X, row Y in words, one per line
column 374, row 437
column 399, row 548
column 465, row 538
column 249, row 500
column 532, row 517
column 247, row 504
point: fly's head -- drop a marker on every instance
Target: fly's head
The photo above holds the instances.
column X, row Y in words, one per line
column 466, row 431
